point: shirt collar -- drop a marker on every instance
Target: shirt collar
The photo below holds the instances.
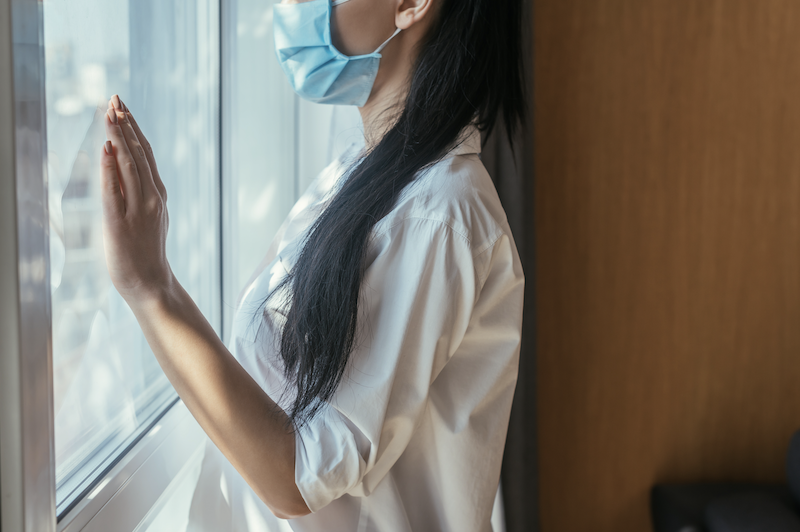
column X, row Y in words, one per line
column 468, row 143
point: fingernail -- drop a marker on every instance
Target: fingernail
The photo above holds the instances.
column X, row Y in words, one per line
column 109, row 149
column 116, row 102
column 112, row 115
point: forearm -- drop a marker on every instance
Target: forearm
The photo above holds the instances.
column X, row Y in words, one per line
column 246, row 425
column 240, row 418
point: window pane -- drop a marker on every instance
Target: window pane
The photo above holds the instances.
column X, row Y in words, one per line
column 260, row 132
column 162, row 59
column 277, row 143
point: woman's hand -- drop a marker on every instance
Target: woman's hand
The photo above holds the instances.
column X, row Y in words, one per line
column 211, row 382
column 135, row 219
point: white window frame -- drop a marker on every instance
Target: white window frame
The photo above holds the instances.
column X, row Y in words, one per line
column 125, row 496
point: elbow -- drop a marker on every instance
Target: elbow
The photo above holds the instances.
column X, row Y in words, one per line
column 290, row 510
column 287, row 506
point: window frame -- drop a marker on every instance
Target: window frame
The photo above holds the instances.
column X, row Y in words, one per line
column 27, row 457
column 127, row 493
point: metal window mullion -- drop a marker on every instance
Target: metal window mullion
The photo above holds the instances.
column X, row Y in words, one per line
column 229, row 251
column 27, row 465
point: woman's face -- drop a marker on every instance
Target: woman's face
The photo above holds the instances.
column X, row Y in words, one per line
column 360, row 26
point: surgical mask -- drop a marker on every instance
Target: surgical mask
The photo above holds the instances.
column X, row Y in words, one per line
column 316, row 70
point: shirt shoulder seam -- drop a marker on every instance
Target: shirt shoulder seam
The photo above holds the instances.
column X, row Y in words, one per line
column 442, row 221
column 492, row 243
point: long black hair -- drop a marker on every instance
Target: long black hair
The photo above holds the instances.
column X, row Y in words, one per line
column 468, row 71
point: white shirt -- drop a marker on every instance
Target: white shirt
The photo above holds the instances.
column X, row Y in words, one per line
column 413, row 438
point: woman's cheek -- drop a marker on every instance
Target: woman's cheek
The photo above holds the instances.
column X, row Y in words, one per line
column 359, row 27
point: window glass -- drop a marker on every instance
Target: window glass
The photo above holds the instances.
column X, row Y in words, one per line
column 260, row 132
column 277, row 142
column 162, row 59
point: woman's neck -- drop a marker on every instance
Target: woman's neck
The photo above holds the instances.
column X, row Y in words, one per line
column 389, row 91
column 381, row 111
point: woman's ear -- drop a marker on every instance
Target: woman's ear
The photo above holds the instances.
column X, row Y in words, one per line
column 410, row 12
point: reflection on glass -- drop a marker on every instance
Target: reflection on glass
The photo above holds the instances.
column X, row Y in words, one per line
column 162, row 58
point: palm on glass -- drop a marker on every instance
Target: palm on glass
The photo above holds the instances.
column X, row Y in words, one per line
column 135, row 218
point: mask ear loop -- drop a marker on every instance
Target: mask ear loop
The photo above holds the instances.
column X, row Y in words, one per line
column 381, row 47
column 335, row 3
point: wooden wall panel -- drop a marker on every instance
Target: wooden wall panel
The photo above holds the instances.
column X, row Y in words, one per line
column 667, row 141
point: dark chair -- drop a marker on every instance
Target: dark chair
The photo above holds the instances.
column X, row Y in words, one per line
column 731, row 507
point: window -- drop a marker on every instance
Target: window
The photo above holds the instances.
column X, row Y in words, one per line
column 162, row 58
column 226, row 127
column 275, row 143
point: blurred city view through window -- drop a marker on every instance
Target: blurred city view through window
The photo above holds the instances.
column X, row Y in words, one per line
column 162, row 59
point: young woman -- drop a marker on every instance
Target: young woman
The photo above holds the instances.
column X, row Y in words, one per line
column 373, row 359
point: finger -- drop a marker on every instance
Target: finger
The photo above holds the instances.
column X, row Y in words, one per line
column 148, row 150
column 149, row 190
column 127, row 170
column 110, row 193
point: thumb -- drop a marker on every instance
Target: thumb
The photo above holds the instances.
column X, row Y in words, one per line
column 110, row 192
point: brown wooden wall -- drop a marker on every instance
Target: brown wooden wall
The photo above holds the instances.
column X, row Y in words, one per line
column 667, row 142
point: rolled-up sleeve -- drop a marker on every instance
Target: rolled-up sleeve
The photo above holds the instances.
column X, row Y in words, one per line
column 419, row 289
column 327, row 459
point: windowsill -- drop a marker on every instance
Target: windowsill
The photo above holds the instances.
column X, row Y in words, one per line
column 125, row 496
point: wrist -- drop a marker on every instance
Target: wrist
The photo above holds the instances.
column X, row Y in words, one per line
column 152, row 295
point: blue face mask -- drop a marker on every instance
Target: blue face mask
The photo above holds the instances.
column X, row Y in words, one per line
column 317, row 71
